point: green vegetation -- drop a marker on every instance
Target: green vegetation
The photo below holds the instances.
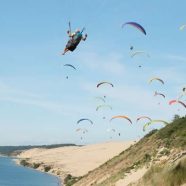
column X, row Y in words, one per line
column 47, row 168
column 14, row 150
column 24, row 163
column 163, row 142
column 167, row 175
column 36, row 165
column 70, row 180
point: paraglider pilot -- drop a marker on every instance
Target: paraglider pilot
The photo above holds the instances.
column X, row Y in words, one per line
column 74, row 40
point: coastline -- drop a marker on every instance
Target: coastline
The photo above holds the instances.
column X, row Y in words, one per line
column 17, row 160
column 70, row 163
column 12, row 161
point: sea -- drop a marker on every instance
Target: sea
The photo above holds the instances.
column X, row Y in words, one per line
column 12, row 174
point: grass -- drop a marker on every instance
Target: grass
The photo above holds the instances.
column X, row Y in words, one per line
column 70, row 180
column 174, row 175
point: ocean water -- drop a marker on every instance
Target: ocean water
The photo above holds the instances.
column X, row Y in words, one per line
column 14, row 175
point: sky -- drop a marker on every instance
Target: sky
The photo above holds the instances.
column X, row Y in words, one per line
column 38, row 105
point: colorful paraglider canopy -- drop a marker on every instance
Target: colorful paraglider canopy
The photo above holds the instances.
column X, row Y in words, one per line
column 154, row 121
column 177, row 101
column 121, row 116
column 159, row 94
column 69, row 65
column 156, row 79
column 104, row 82
column 143, row 117
column 135, row 25
column 85, row 119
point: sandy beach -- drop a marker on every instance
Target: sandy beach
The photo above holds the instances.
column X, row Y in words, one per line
column 76, row 161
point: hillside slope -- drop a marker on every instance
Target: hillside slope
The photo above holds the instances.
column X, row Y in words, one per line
column 158, row 147
column 170, row 173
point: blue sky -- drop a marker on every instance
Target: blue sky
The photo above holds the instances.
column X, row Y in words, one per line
column 38, row 105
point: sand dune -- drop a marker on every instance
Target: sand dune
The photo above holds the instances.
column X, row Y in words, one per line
column 76, row 161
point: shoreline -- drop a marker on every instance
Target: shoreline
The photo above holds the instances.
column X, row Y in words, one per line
column 70, row 163
column 17, row 162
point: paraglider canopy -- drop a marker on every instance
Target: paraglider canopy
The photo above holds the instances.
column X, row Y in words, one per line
column 69, row 65
column 143, row 117
column 159, row 94
column 176, row 101
column 135, row 25
column 85, row 119
column 121, row 116
column 138, row 53
column 157, row 79
column 104, row 82
column 154, row 121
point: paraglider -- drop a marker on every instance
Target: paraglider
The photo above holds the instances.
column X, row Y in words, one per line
column 154, row 121
column 138, row 53
column 159, row 94
column 102, row 106
column 182, row 27
column 85, row 119
column 177, row 101
column 143, row 117
column 157, row 79
column 131, row 48
column 121, row 116
column 69, row 65
column 74, row 39
column 183, row 93
column 135, row 25
column 104, row 82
